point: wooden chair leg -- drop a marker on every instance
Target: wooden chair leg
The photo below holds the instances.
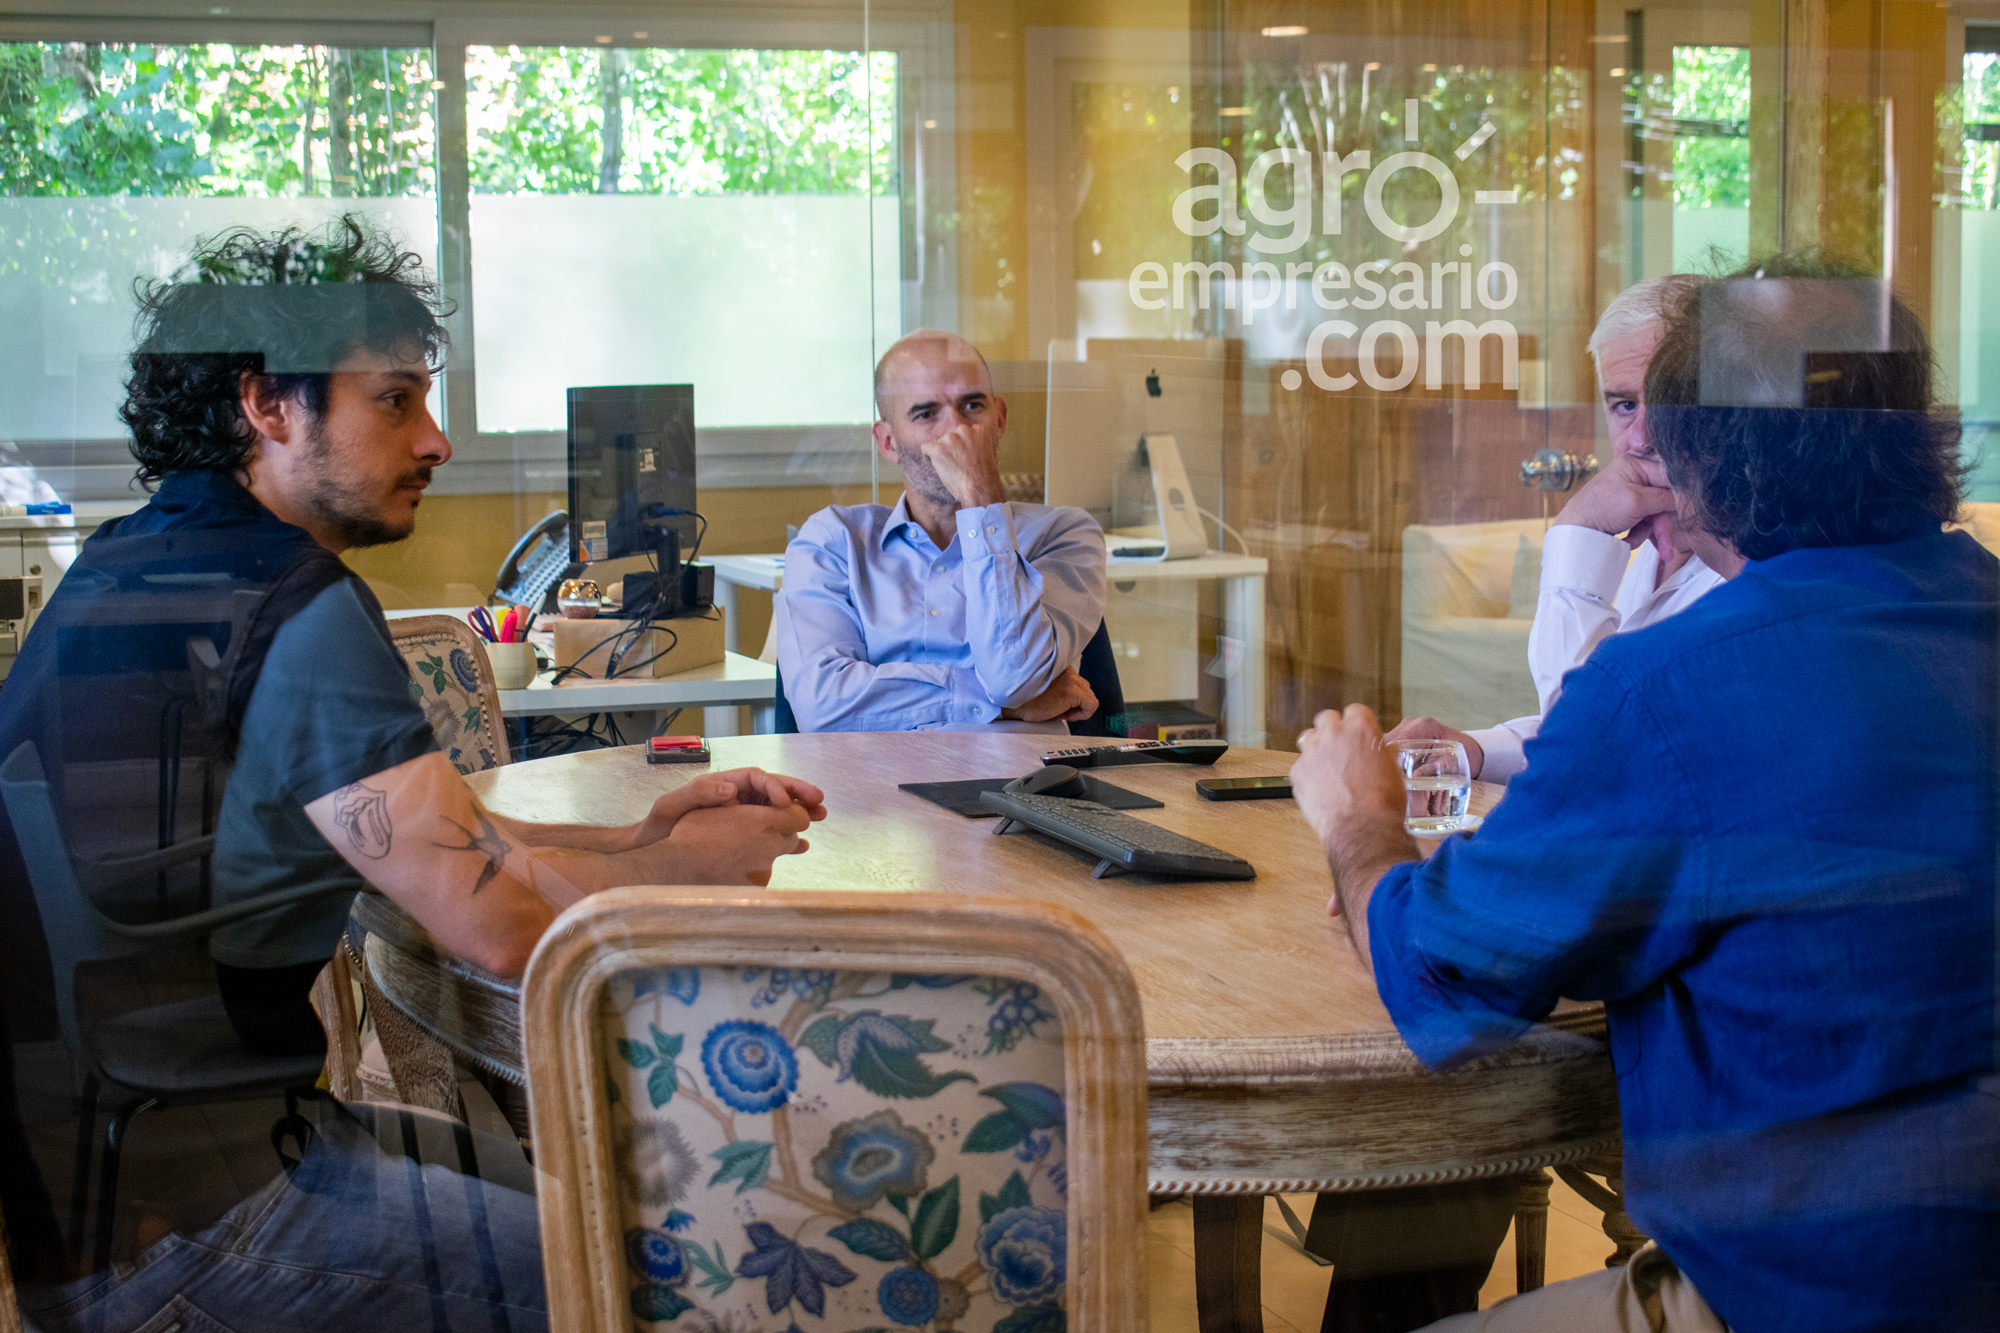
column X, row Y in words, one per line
column 425, row 1071
column 1228, row 1262
column 333, row 1000
column 1531, row 1231
column 10, row 1309
column 1608, row 1199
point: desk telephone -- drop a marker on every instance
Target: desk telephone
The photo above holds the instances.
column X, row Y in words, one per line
column 539, row 561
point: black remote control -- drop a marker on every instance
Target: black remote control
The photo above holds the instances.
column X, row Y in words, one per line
column 1139, row 752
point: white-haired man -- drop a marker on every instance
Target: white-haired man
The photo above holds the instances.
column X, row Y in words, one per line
column 1612, row 561
column 954, row 610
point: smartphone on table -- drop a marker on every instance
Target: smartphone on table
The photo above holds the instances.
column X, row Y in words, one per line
column 1244, row 789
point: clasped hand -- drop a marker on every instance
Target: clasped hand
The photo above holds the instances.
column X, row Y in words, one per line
column 1068, row 698
column 727, row 828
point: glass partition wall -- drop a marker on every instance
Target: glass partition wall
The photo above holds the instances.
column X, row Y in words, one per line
column 1369, row 246
column 1348, row 258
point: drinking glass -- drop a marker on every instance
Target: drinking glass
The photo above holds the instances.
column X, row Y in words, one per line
column 1437, row 782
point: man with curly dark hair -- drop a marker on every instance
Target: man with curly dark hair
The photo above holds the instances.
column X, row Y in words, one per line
column 1763, row 833
column 278, row 401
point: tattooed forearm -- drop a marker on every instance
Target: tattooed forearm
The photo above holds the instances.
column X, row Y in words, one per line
column 488, row 842
column 362, row 813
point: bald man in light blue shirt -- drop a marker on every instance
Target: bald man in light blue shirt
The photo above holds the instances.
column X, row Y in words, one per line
column 954, row 610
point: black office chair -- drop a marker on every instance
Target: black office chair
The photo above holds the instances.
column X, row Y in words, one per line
column 786, row 721
column 1099, row 668
column 182, row 1052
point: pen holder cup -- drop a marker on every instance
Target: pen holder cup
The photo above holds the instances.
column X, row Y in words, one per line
column 514, row 664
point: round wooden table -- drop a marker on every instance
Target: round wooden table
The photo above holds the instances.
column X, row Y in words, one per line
column 1272, row 1065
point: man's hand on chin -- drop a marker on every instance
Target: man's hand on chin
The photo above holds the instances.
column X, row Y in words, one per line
column 967, row 460
column 1627, row 493
column 1350, row 792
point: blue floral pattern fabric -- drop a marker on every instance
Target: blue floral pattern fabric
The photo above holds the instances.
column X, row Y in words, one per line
column 809, row 1149
column 445, row 682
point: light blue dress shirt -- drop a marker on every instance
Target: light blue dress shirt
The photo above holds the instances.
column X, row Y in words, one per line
column 882, row 631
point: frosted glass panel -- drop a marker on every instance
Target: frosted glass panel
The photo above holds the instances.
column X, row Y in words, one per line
column 760, row 301
column 66, row 320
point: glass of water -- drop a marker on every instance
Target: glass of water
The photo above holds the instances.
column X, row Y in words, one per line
column 1437, row 782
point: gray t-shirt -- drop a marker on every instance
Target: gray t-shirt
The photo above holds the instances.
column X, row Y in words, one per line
column 333, row 705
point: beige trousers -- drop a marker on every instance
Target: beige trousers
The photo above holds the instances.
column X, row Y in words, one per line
column 1648, row 1295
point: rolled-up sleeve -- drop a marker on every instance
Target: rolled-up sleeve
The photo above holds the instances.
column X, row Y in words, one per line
column 1588, row 882
column 1028, row 612
column 1576, row 609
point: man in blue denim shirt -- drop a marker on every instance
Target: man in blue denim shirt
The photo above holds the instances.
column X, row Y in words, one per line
column 955, row 610
column 1763, row 833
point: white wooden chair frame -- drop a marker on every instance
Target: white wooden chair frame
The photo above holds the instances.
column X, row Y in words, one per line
column 614, row 932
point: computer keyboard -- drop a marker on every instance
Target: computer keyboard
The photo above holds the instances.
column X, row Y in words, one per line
column 1123, row 842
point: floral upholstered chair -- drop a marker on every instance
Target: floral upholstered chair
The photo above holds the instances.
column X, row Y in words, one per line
column 836, row 1112
column 452, row 681
column 386, row 1056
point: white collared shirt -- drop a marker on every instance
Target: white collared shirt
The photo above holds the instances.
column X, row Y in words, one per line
column 1593, row 586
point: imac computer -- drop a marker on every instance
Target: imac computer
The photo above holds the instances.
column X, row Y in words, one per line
column 1124, row 391
column 631, row 469
column 1101, row 407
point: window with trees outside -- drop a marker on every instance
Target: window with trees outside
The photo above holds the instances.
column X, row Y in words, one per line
column 636, row 215
column 719, row 213
column 114, row 157
column 1978, row 216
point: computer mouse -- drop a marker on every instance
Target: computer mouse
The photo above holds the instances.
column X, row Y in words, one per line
column 1054, row 780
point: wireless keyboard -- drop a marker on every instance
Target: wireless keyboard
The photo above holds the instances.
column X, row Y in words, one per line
column 1123, row 842
column 1139, row 752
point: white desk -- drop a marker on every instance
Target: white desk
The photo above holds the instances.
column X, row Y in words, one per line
column 1241, row 576
column 765, row 572
column 717, row 689
column 1242, row 580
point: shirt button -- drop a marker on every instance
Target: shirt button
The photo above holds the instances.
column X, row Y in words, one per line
column 940, row 568
column 977, row 711
column 933, row 610
column 990, row 529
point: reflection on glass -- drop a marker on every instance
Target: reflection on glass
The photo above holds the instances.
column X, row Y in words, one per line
column 1979, row 256
column 1711, row 178
column 114, row 157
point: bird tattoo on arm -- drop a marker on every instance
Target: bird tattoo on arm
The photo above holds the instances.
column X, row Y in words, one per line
column 488, row 842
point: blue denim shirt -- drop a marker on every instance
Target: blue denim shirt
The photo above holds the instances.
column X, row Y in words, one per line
column 1763, row 832
column 882, row 631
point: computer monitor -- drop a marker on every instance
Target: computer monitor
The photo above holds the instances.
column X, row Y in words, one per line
column 631, row 467
column 1125, row 389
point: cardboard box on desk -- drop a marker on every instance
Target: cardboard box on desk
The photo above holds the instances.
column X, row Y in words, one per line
column 696, row 641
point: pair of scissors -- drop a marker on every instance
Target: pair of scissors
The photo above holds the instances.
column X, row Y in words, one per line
column 482, row 621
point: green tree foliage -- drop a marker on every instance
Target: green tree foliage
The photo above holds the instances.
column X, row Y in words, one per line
column 89, row 119
column 1711, row 121
column 681, row 122
column 1981, row 100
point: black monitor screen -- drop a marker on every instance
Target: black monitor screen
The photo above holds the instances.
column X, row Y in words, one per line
column 631, row 467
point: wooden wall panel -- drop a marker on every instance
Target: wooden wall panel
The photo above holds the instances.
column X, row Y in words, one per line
column 1325, row 483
